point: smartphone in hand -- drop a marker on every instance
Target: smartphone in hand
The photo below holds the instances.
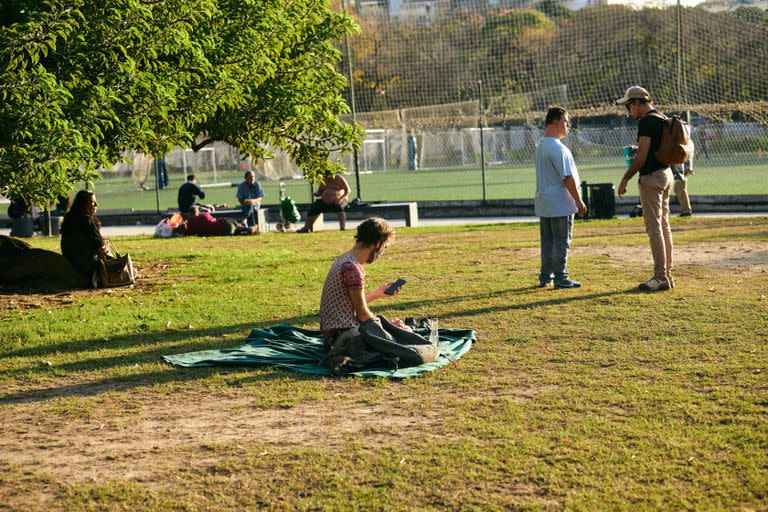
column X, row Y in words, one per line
column 395, row 286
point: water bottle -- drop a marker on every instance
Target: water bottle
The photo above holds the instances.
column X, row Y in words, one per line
column 434, row 337
column 629, row 155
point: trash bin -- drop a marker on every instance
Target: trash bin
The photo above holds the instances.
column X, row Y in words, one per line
column 602, row 201
column 22, row 227
column 55, row 223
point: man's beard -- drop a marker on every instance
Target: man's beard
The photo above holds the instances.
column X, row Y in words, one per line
column 374, row 255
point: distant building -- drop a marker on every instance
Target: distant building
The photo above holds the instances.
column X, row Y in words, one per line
column 575, row 5
column 424, row 12
column 729, row 5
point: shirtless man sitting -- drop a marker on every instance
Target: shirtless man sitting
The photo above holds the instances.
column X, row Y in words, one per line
column 333, row 194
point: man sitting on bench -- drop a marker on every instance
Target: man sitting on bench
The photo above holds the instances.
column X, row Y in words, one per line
column 249, row 195
column 187, row 193
column 333, row 194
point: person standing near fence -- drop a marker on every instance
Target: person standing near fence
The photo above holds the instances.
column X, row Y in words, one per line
column 162, row 172
column 557, row 199
column 654, row 185
column 681, row 173
column 413, row 152
column 249, row 194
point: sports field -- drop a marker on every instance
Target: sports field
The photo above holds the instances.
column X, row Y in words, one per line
column 716, row 176
column 598, row 398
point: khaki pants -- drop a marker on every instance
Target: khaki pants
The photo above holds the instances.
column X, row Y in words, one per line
column 681, row 191
column 654, row 197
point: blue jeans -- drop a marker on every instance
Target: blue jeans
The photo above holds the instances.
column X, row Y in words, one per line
column 556, row 235
column 249, row 210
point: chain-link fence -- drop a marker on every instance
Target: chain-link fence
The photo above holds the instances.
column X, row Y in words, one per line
column 419, row 163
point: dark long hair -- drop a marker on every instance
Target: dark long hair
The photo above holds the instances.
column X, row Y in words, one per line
column 78, row 212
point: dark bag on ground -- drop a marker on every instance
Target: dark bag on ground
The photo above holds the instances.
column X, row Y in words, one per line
column 380, row 344
column 116, row 271
column 676, row 145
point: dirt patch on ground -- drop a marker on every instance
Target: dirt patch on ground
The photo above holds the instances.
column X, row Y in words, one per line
column 749, row 256
column 160, row 434
column 153, row 440
column 38, row 294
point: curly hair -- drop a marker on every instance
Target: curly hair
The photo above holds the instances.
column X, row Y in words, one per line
column 374, row 230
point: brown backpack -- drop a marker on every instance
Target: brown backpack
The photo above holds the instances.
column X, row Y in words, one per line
column 676, row 144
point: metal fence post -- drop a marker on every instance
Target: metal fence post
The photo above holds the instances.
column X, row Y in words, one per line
column 482, row 141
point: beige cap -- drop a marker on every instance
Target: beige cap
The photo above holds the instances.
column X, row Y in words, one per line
column 634, row 93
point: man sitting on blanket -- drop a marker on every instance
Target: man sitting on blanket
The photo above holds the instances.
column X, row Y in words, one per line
column 349, row 328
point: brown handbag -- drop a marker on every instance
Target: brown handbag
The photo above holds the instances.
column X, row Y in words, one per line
column 116, row 271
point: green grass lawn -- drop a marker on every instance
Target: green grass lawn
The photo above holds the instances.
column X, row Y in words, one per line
column 598, row 398
column 715, row 176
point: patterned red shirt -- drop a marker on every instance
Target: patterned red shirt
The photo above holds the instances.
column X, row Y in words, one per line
column 336, row 309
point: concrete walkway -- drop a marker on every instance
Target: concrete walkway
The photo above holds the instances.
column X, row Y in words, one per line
column 144, row 229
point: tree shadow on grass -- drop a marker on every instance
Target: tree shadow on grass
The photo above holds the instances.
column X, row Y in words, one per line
column 168, row 342
column 405, row 306
column 542, row 303
column 144, row 380
column 149, row 337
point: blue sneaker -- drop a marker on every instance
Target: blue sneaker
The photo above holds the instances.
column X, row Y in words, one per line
column 544, row 283
column 567, row 283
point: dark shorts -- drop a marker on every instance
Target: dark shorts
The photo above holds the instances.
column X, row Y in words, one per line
column 319, row 207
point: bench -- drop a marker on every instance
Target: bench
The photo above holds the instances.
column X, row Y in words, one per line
column 114, row 211
column 389, row 211
column 262, row 214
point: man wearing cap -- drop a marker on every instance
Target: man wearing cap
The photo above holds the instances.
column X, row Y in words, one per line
column 654, row 185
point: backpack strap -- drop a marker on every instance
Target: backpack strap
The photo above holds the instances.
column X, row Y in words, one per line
column 656, row 113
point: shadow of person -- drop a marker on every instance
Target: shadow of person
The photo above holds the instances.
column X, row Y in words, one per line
column 31, row 269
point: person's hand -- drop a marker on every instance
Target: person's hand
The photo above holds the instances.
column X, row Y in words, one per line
column 581, row 207
column 398, row 323
column 622, row 187
column 380, row 290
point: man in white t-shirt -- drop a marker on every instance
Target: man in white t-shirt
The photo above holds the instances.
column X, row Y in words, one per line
column 557, row 200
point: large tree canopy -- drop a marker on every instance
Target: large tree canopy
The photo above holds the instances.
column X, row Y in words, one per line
column 82, row 81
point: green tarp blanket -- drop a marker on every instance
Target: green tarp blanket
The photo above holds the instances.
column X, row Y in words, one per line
column 297, row 349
